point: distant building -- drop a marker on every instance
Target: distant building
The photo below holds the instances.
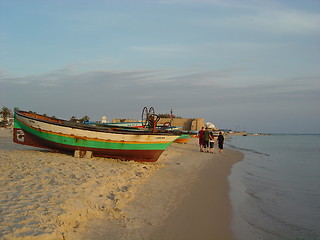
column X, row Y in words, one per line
column 186, row 124
column 210, row 126
column 118, row 120
column 104, row 119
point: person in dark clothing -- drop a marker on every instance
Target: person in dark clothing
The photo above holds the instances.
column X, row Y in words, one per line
column 211, row 142
column 220, row 142
column 206, row 137
column 200, row 135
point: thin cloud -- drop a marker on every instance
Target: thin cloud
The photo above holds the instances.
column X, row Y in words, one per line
column 160, row 49
column 265, row 19
column 279, row 21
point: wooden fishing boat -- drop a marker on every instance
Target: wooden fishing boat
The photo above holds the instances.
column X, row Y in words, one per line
column 40, row 131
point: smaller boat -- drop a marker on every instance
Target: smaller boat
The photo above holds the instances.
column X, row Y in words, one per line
column 121, row 124
column 183, row 139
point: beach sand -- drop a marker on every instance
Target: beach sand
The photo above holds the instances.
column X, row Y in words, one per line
column 45, row 195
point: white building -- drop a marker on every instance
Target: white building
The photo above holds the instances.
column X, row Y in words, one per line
column 104, row 119
column 210, row 125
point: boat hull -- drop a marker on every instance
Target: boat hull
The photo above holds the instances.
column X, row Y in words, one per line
column 29, row 130
column 182, row 139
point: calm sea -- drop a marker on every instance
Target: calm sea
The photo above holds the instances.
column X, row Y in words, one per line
column 275, row 190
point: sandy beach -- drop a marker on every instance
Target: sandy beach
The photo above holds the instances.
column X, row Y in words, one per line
column 45, row 195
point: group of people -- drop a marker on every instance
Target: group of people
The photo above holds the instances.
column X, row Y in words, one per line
column 207, row 139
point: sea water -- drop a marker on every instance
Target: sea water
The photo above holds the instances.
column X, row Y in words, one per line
column 275, row 190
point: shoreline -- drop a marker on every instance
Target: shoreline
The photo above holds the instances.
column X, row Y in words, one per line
column 206, row 213
column 55, row 196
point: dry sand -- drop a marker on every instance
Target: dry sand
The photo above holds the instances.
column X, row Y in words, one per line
column 46, row 195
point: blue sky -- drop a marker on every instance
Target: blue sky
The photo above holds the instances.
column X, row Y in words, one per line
column 244, row 64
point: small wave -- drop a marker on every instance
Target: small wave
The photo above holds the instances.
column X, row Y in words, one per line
column 248, row 150
column 252, row 195
column 278, row 228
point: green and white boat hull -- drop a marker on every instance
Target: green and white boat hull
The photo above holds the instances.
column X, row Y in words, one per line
column 39, row 131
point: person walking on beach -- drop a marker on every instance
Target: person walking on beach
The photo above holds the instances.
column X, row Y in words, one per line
column 220, row 142
column 206, row 137
column 200, row 135
column 211, row 142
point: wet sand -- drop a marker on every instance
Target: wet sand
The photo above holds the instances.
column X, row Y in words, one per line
column 46, row 195
column 205, row 213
